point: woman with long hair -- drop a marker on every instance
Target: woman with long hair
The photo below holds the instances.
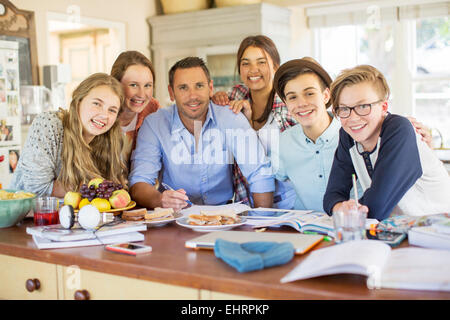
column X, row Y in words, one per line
column 257, row 61
column 67, row 148
column 136, row 74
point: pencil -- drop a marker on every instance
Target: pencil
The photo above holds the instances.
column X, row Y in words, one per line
column 355, row 190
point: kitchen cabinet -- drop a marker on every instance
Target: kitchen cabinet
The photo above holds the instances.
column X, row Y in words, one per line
column 102, row 286
column 214, row 35
column 23, row 279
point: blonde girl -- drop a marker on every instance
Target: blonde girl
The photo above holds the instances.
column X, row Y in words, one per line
column 257, row 61
column 67, row 148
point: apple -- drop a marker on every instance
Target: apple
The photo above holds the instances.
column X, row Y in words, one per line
column 72, row 198
column 119, row 199
column 95, row 182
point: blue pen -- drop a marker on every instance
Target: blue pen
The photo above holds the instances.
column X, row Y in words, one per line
column 167, row 187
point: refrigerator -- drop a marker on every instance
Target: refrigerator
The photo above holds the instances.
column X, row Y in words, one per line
column 10, row 111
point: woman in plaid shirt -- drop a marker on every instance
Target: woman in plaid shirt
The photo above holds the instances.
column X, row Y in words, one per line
column 257, row 61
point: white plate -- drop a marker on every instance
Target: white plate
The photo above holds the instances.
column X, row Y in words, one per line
column 159, row 222
column 183, row 222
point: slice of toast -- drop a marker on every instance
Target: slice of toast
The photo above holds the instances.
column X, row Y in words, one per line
column 134, row 215
column 159, row 213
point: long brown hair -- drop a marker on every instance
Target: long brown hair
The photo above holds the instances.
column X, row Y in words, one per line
column 102, row 156
column 268, row 47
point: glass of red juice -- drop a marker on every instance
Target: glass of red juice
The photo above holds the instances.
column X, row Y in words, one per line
column 46, row 211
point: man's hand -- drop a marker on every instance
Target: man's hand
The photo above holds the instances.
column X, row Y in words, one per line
column 175, row 199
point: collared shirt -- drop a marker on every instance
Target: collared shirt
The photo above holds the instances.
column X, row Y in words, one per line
column 166, row 150
column 307, row 164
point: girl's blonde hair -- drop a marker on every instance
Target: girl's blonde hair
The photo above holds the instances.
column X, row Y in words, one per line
column 102, row 156
column 359, row 74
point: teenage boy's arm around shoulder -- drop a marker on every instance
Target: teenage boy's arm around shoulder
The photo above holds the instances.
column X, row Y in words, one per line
column 397, row 169
column 146, row 162
column 340, row 179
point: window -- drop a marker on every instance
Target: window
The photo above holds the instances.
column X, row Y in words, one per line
column 431, row 82
column 409, row 44
column 346, row 46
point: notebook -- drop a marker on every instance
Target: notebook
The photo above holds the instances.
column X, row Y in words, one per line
column 428, row 237
column 302, row 242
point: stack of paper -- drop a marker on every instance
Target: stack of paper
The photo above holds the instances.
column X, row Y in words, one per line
column 55, row 236
column 429, row 237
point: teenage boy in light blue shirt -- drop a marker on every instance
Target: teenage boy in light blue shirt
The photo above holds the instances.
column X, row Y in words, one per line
column 306, row 150
column 191, row 146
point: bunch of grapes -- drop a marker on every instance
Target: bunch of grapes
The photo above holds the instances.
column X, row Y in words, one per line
column 104, row 190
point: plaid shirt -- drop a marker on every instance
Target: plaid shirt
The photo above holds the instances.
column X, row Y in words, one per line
column 284, row 121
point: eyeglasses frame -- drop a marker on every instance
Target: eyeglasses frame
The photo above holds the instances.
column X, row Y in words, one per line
column 354, row 109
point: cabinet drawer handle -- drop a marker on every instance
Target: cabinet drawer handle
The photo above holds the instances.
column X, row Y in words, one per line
column 32, row 284
column 82, row 295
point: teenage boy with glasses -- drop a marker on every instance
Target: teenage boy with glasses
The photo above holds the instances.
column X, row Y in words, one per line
column 306, row 151
column 398, row 172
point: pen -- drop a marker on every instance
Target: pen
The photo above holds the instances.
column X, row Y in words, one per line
column 167, row 187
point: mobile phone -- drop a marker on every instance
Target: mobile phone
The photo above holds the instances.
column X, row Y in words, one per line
column 129, row 248
column 391, row 238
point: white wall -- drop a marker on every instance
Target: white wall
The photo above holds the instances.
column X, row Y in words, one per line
column 132, row 12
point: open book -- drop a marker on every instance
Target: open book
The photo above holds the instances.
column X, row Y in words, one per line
column 301, row 221
column 404, row 268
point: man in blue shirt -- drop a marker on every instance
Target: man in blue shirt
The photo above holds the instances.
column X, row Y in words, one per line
column 191, row 147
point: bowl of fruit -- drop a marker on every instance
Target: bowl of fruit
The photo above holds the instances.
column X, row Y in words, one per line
column 14, row 206
column 106, row 196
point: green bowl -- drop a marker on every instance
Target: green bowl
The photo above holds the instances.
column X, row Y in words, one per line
column 13, row 211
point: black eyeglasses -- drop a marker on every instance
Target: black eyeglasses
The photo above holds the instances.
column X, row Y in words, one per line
column 360, row 110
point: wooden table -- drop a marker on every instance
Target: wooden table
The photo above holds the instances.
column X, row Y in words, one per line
column 174, row 266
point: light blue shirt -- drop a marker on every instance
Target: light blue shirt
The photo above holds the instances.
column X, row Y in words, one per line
column 166, row 150
column 307, row 164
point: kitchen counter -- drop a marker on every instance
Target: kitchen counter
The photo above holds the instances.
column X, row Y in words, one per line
column 176, row 272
